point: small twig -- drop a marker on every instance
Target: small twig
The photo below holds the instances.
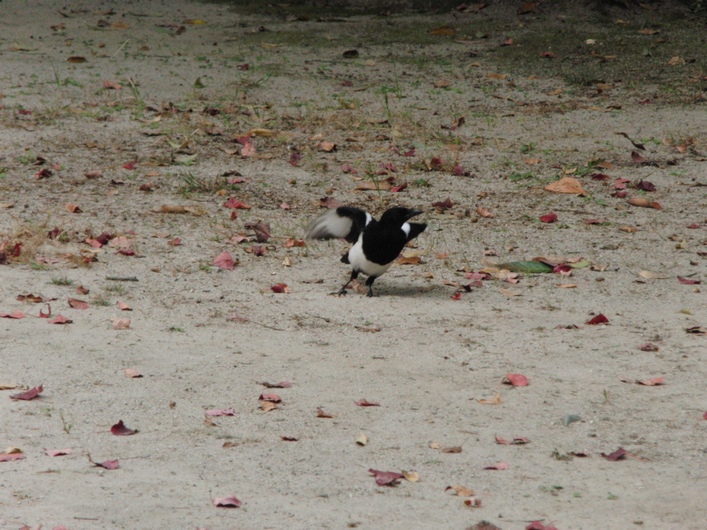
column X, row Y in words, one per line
column 122, row 278
column 121, row 47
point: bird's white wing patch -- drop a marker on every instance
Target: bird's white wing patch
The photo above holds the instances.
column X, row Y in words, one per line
column 328, row 226
column 369, row 218
column 406, row 229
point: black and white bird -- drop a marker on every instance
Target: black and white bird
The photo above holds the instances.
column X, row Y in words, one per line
column 376, row 244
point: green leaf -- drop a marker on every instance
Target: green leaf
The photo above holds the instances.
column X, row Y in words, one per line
column 580, row 264
column 530, row 267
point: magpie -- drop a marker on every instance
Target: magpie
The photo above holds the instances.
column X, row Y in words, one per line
column 376, row 244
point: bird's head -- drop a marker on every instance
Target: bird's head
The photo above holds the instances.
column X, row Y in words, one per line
column 399, row 215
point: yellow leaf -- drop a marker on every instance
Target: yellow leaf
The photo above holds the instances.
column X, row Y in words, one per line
column 496, row 76
column 508, row 292
column 411, row 476
column 444, row 30
column 461, row 491
column 194, row 21
column 495, row 400
column 653, row 275
column 362, row 439
column 531, row 161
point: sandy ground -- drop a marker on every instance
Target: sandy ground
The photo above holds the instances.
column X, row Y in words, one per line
column 170, row 103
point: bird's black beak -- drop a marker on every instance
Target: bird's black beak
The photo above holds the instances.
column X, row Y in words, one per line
column 412, row 213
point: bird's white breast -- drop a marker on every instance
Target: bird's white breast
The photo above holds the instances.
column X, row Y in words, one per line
column 358, row 261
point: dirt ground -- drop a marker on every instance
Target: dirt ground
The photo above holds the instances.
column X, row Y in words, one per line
column 130, row 134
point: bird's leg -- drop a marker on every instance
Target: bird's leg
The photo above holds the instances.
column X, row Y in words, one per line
column 354, row 275
column 369, row 283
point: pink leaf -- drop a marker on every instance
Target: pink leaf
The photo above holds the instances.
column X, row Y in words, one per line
column 599, row 319
column 280, row 288
column 119, row 429
column 386, row 478
column 227, row 502
column 273, row 398
column 220, row 412
column 548, row 217
column 224, row 261
column 656, row 381
column 17, row 314
column 648, row 347
column 130, row 165
column 4, row 457
column 515, row 380
column 248, row 150
column 121, row 323
column 132, row 373
column 619, row 454
column 58, row 452
column 29, row 394
column 688, row 281
column 236, row 204
column 366, row 403
column 106, row 464
column 174, row 242
column 123, row 306
column 78, row 304
column 498, row 467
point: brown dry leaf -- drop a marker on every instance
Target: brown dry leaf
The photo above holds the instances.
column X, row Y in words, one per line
column 411, row 476
column 531, row 161
column 362, row 439
column 653, row 275
column 8, row 387
column 444, row 30
column 267, row 133
column 461, row 491
column 496, row 76
column 327, row 147
column 409, row 260
column 172, row 208
column 369, row 185
column 495, row 400
column 508, row 292
column 648, row 31
column 674, row 61
column 567, row 285
column 119, row 25
column 72, row 208
column 629, row 229
column 76, row 59
column 435, row 445
column 566, row 185
column 442, row 83
column 483, row 212
column 287, row 262
column 5, row 205
column 267, row 406
column 452, row 450
column 644, row 203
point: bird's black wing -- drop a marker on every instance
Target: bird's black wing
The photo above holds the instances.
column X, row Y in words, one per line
column 344, row 222
column 415, row 230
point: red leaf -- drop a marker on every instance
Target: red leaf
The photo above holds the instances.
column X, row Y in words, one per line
column 564, row 270
column 123, row 306
column 126, row 252
column 637, row 157
column 322, row 414
column 410, row 153
column 248, row 150
column 443, row 205
column 236, row 204
column 619, row 454
column 458, row 171
column 704, row 416
column 386, row 478
column 174, row 242
column 548, row 55
column 599, row 319
column 57, row 452
column 498, row 467
column 548, row 217
column 456, row 296
column 645, row 185
column 44, row 173
column 220, row 412
column 280, row 288
column 289, row 243
column 130, row 165
column 398, row 189
column 42, row 314
column 119, row 429
column 261, row 229
column 688, row 281
column 29, row 394
column 273, row 398
column 436, row 164
column 60, row 319
column 600, row 176
column 295, row 157
column 5, row 457
column 365, row 403
column 227, row 502
column 648, row 347
column 224, row 261
column 258, row 250
column 17, row 314
column 78, row 304
column 537, row 525
column 515, row 380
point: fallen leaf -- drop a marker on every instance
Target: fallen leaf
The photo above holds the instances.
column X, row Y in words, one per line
column 120, row 323
column 322, row 414
column 598, row 319
column 225, row 261
column 236, row 204
column 697, row 330
column 119, row 429
column 76, row 59
column 362, row 439
column 644, row 203
column 72, row 208
column 411, row 476
column 78, row 304
column 123, row 306
column 280, row 288
column 58, row 452
column 261, row 229
column 29, row 394
column 273, row 398
column 444, row 30
column 289, row 439
column 508, row 292
column 566, row 185
column 4, row 457
column 656, row 381
column 495, row 400
column 386, row 478
column 548, row 217
column 106, row 464
column 688, row 281
column 455, row 449
column 132, row 373
column 227, row 502
column 515, row 380
column 483, row 212
column 16, row 314
column 515, row 441
column 220, row 412
column 281, row 384
column 267, row 406
column 653, row 275
column 366, row 403
column 619, row 454
column 497, row 467
column 648, row 347
column 327, row 147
